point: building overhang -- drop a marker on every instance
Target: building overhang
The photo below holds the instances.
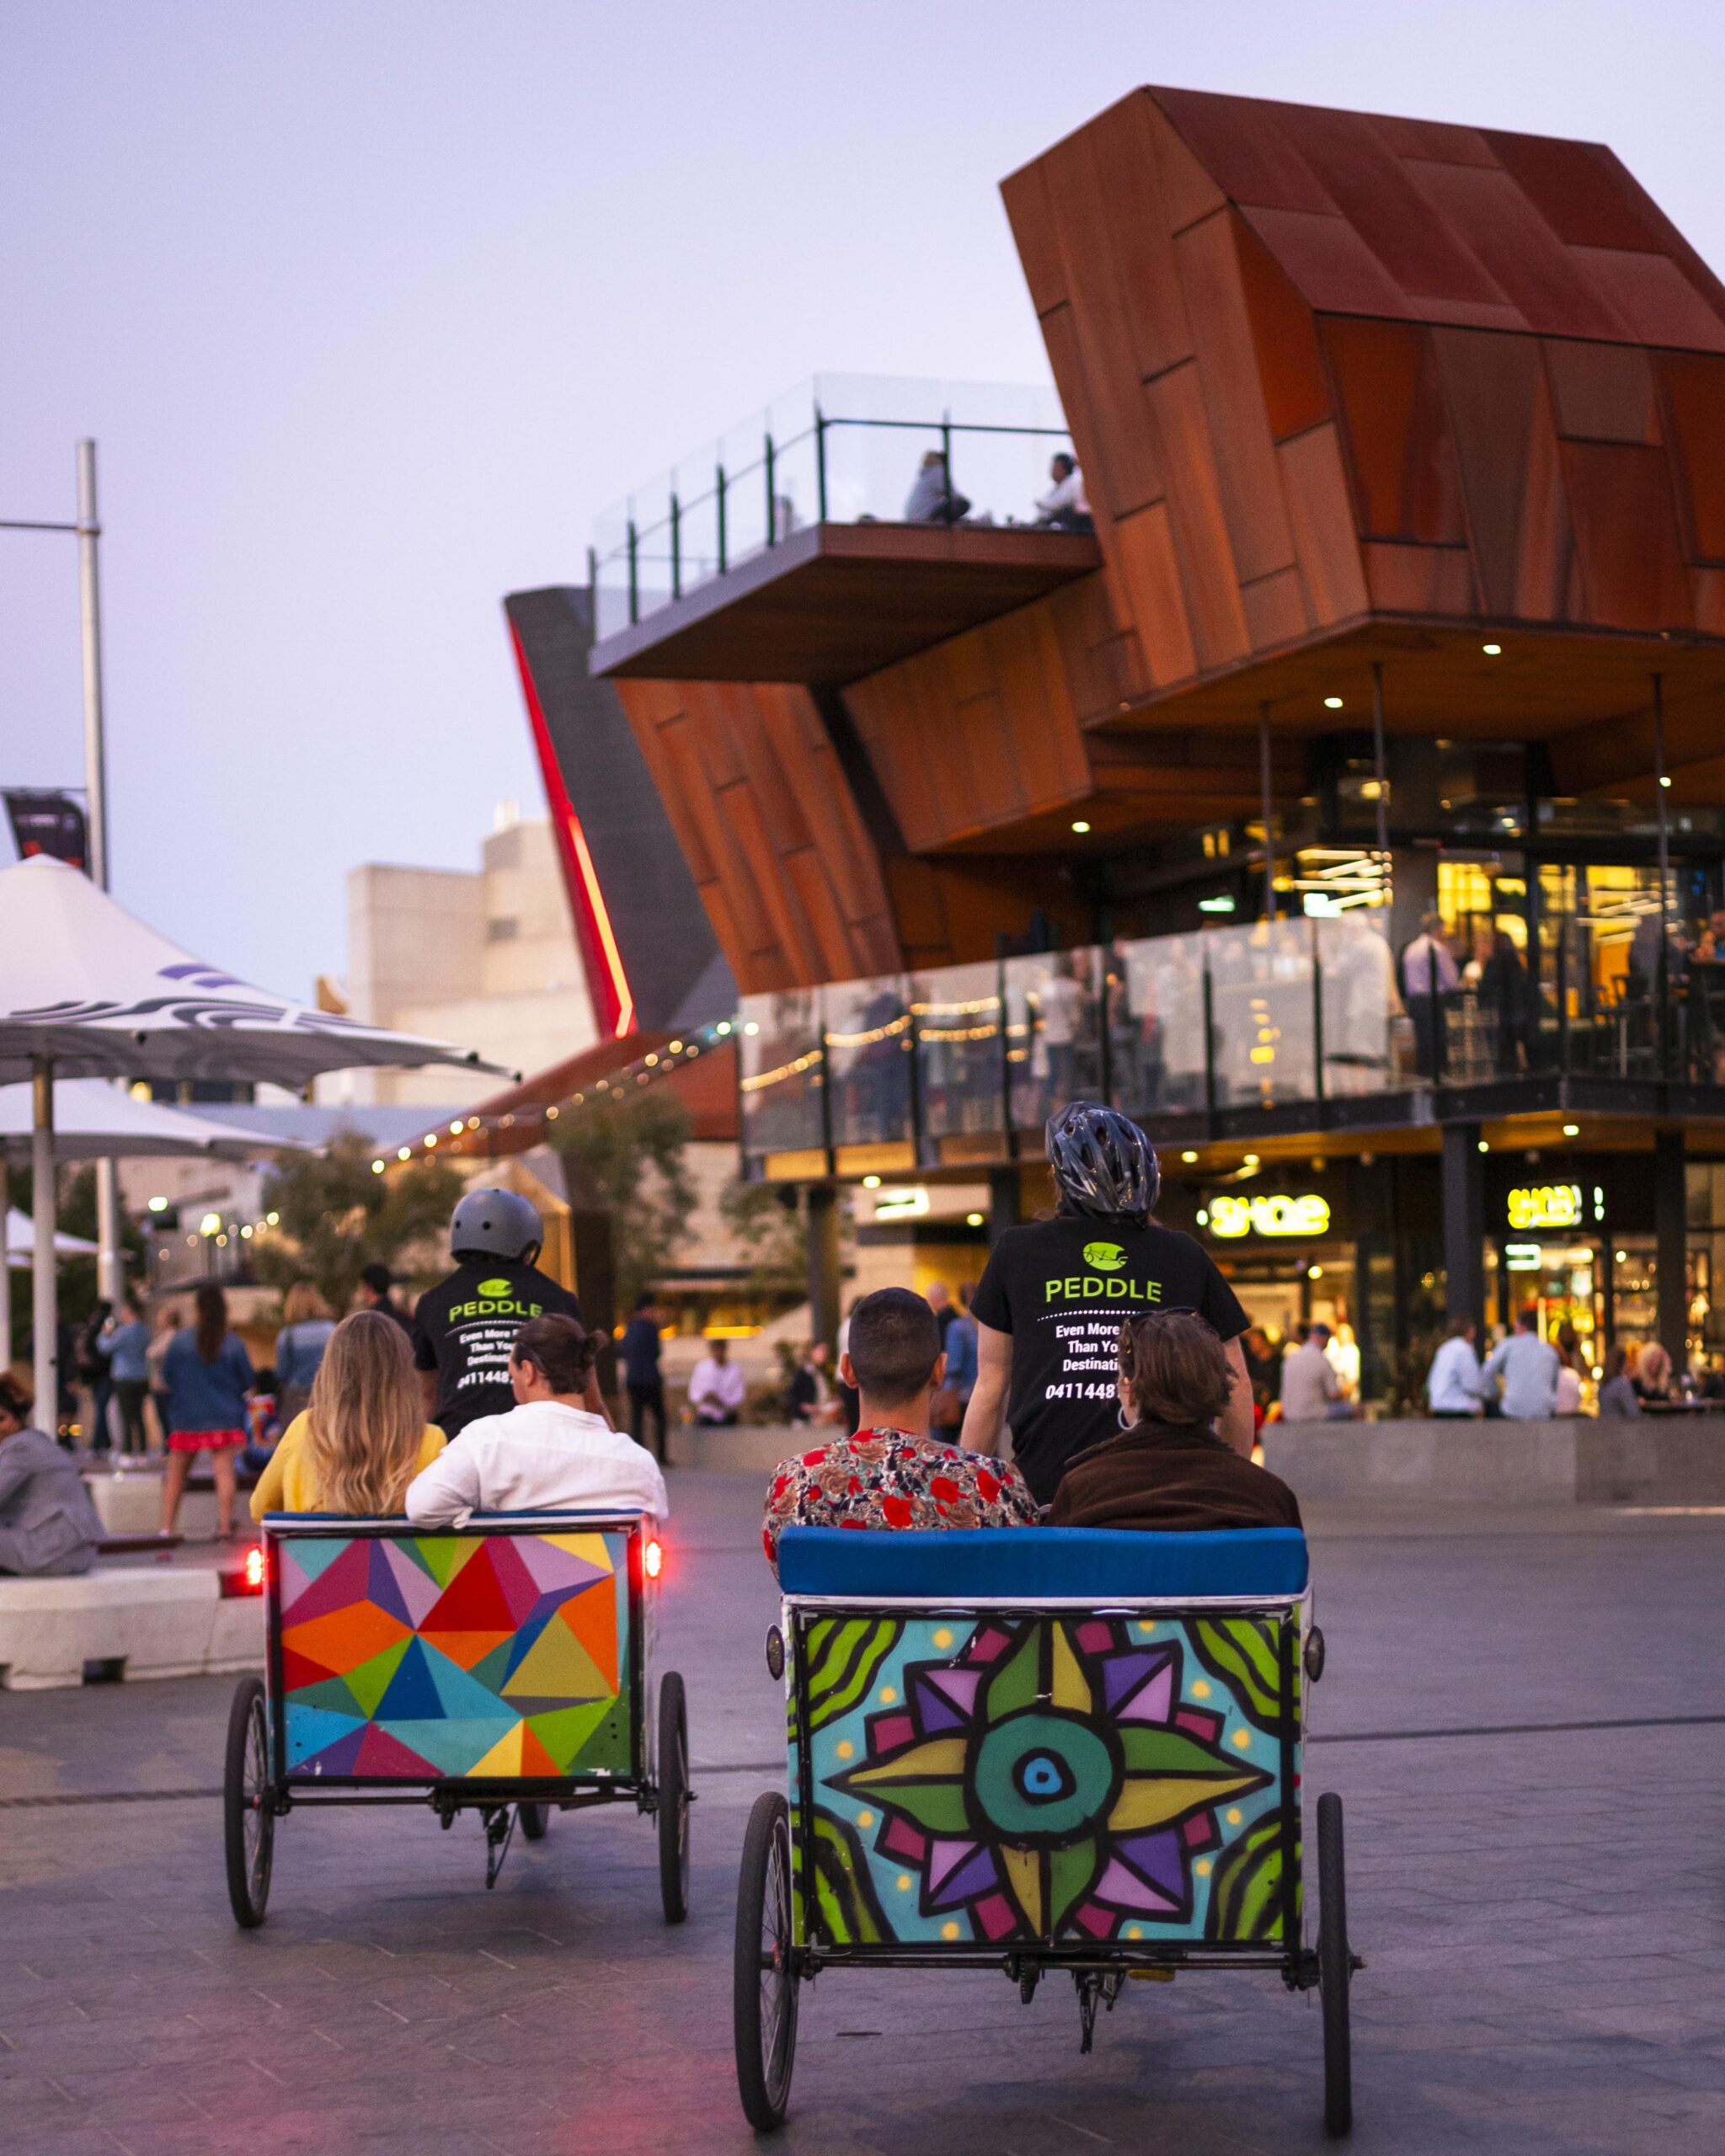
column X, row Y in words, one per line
column 833, row 602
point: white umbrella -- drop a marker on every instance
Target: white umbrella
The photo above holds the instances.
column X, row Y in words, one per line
column 21, row 1238
column 86, row 991
column 95, row 1121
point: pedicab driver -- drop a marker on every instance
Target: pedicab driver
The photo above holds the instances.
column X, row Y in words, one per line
column 465, row 1328
column 1050, row 1303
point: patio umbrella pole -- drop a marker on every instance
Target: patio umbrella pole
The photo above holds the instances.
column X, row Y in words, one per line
column 46, row 1306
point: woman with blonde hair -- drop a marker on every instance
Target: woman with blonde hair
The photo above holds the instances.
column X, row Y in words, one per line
column 306, row 1329
column 363, row 1437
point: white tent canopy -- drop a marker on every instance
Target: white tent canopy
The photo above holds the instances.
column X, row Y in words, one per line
column 87, row 991
column 98, row 1122
column 103, row 997
column 21, row 1239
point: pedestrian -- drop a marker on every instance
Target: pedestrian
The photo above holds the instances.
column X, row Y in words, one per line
column 1312, row 1392
column 547, row 1451
column 48, row 1526
column 299, row 1347
column 167, row 1324
column 125, row 1346
column 363, row 1436
column 1452, row 1386
column 464, row 1328
column 1618, row 1398
column 961, row 1358
column 812, row 1397
column 93, row 1375
column 376, row 1293
column 1065, row 507
column 1528, row 1367
column 1054, row 1293
column 208, row 1374
column 644, row 1379
column 1166, row 1470
column 718, row 1388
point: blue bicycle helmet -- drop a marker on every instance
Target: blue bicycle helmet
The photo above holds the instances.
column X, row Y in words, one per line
column 1102, row 1162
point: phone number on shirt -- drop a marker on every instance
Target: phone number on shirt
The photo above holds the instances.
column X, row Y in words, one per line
column 1077, row 1390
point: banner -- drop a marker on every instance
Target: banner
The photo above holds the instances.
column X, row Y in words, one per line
column 48, row 823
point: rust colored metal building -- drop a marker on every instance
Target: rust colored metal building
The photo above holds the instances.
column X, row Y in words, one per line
column 1340, row 787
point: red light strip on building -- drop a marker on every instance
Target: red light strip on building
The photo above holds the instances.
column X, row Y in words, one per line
column 614, row 1004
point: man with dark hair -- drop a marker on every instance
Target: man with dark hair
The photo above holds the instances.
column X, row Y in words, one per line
column 642, row 1375
column 892, row 1473
column 376, row 1283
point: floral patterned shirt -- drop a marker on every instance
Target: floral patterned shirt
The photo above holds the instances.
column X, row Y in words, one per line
column 888, row 1478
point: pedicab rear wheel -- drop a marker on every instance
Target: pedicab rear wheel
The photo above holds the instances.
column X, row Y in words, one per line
column 765, row 1982
column 673, row 1797
column 534, row 1819
column 1335, row 1966
column 248, row 1820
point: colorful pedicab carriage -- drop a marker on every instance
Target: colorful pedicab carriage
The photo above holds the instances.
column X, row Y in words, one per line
column 1035, row 1750
column 505, row 1667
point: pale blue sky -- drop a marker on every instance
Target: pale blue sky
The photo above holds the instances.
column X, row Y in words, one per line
column 371, row 306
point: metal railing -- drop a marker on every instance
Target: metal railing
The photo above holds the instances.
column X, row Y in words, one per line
column 821, row 455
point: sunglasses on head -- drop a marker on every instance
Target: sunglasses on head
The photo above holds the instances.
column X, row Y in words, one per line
column 1146, row 1317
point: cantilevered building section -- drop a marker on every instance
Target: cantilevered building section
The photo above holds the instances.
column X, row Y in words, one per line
column 1405, row 596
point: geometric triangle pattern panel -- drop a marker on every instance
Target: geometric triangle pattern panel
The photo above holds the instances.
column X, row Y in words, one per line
column 455, row 1657
column 1069, row 1780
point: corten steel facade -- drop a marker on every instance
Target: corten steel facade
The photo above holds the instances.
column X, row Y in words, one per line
column 1405, row 444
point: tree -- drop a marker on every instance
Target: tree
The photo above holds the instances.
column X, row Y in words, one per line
column 337, row 1217
column 770, row 1224
column 627, row 1152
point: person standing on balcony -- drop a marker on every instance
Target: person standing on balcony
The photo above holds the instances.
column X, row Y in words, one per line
column 1428, row 974
column 1065, row 507
column 1054, row 1296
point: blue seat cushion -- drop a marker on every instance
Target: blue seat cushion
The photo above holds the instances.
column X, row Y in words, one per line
column 1063, row 1563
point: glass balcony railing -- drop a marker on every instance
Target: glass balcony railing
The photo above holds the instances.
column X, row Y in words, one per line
column 840, row 448
column 955, row 1066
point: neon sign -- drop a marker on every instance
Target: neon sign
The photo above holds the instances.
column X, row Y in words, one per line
column 1545, row 1205
column 1275, row 1213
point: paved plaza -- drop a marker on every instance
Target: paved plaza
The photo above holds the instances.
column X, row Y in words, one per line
column 1524, row 1714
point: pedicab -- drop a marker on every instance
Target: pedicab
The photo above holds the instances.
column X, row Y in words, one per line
column 505, row 1667
column 1040, row 1751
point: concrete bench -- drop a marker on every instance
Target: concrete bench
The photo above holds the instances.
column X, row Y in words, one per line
column 143, row 1622
column 1574, row 1460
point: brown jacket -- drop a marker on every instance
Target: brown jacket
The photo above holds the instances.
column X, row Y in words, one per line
column 1169, row 1476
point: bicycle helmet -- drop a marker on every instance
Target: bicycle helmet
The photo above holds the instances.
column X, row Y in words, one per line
column 496, row 1223
column 1102, row 1162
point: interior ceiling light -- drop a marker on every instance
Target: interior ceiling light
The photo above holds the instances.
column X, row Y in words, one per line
column 1188, row 1157
column 1493, row 650
column 1332, row 703
column 1080, row 827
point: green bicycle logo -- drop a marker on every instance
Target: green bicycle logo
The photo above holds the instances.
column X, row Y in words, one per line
column 1106, row 1257
column 494, row 1290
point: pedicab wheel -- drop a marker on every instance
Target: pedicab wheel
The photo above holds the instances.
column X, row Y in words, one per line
column 249, row 1823
column 534, row 1818
column 1335, row 1966
column 765, row 1997
column 673, row 1797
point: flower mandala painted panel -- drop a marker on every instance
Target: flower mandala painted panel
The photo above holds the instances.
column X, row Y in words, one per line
column 466, row 1656
column 1004, row 1778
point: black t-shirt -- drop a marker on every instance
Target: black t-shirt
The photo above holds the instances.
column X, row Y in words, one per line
column 465, row 1327
column 1062, row 1287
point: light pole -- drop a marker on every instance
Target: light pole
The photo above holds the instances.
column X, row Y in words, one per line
column 109, row 1266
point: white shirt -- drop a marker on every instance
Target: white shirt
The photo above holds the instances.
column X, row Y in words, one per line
column 1452, row 1383
column 539, row 1454
column 722, row 1382
column 1065, row 493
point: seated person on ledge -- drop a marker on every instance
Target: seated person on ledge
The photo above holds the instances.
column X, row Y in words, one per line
column 1167, row 1470
column 549, row 1451
column 718, row 1388
column 892, row 1473
column 362, row 1436
column 48, row 1526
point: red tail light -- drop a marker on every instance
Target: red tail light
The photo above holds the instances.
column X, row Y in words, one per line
column 653, row 1558
column 249, row 1576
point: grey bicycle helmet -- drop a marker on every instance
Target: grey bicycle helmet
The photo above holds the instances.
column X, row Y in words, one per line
column 496, row 1223
column 1102, row 1162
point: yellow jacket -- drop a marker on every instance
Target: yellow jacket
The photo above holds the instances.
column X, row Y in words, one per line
column 286, row 1486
